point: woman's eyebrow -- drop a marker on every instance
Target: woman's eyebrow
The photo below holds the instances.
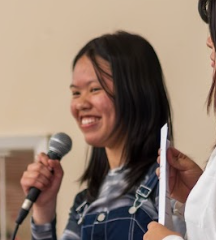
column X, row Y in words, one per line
column 72, row 86
column 90, row 82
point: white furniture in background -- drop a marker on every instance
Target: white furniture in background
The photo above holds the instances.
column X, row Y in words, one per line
column 8, row 144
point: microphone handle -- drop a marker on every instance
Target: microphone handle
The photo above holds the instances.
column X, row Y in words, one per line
column 27, row 204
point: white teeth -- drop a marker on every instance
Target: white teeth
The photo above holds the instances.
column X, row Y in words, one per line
column 88, row 120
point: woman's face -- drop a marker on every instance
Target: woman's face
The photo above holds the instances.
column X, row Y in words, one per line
column 90, row 106
column 212, row 56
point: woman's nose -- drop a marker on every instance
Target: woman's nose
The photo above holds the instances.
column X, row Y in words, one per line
column 209, row 42
column 83, row 104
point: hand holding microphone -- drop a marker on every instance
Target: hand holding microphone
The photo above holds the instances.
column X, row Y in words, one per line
column 42, row 180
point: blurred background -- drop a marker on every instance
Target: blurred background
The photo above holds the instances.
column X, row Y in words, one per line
column 38, row 40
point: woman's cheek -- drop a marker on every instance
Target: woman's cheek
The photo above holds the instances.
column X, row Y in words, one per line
column 73, row 110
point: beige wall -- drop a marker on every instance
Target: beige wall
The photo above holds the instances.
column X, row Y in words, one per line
column 38, row 40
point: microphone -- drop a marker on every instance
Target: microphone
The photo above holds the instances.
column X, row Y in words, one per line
column 59, row 145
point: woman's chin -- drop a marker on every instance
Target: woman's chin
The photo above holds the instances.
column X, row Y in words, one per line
column 93, row 142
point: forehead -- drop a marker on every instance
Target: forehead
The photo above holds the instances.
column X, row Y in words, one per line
column 84, row 68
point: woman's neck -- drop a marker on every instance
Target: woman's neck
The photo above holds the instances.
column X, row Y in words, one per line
column 114, row 156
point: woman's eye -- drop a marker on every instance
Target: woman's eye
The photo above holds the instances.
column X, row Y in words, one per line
column 96, row 89
column 76, row 93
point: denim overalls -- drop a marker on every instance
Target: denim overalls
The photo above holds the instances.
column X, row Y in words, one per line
column 126, row 222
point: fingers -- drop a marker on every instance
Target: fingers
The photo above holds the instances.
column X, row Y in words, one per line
column 158, row 159
column 178, row 160
column 43, row 158
column 152, row 225
column 41, row 173
column 150, row 234
column 37, row 175
column 174, row 157
column 145, row 236
column 157, row 231
column 172, row 154
column 158, row 172
column 56, row 168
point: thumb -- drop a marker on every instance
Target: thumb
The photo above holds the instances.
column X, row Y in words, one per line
column 152, row 225
column 176, row 158
column 56, row 167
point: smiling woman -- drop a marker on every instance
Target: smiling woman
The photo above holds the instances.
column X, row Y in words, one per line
column 120, row 103
column 91, row 106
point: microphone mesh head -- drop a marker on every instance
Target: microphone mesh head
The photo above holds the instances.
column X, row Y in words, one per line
column 60, row 143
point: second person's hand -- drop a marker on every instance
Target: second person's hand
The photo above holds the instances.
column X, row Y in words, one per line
column 183, row 174
column 156, row 231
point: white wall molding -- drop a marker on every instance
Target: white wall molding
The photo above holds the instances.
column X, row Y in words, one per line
column 37, row 143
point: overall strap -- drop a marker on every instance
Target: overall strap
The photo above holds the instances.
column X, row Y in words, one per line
column 146, row 187
column 144, row 191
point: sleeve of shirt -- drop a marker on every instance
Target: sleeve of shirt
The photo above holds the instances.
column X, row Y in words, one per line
column 178, row 209
column 72, row 231
column 44, row 232
column 178, row 217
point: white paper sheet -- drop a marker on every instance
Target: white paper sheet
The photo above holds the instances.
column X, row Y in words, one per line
column 165, row 212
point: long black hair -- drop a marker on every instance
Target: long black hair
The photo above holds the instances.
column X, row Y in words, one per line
column 140, row 100
column 207, row 11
